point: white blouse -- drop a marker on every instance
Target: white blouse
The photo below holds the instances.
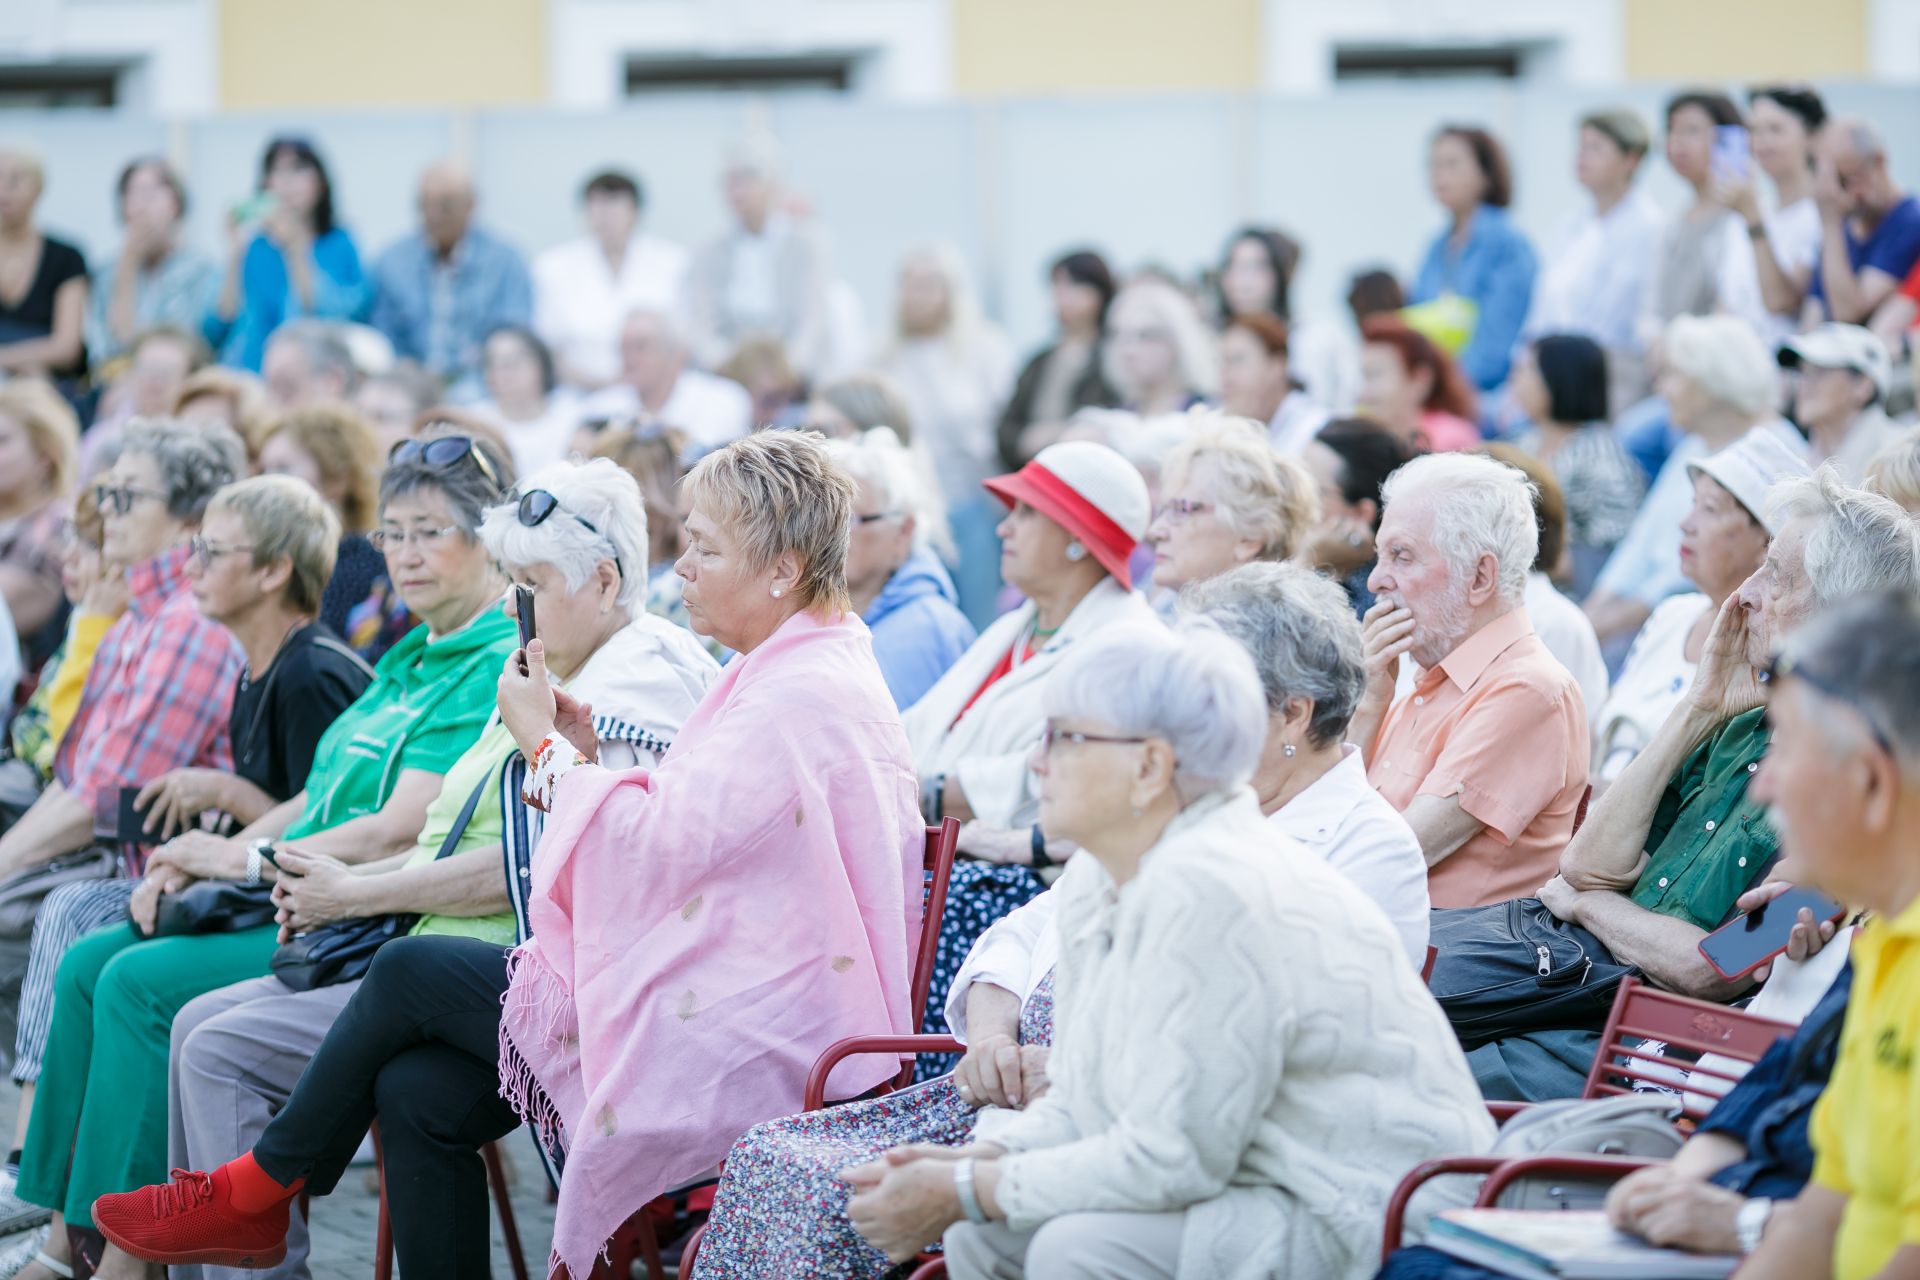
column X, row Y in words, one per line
column 579, row 305
column 1650, row 686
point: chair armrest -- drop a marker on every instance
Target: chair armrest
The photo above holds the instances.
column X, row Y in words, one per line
column 816, row 1095
column 935, row 1269
column 1505, row 1111
column 1572, row 1165
column 1419, row 1176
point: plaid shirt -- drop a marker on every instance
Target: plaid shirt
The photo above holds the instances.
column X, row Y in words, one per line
column 158, row 696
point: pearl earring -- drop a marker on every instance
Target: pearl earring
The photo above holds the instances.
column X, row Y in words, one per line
column 776, row 593
column 1288, row 749
column 1076, row 552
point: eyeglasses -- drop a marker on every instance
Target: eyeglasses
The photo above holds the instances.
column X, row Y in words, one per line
column 443, row 452
column 119, row 499
column 878, row 515
column 205, row 552
column 1053, row 733
column 1780, row 667
column 392, row 537
column 1180, row 509
column 537, row 504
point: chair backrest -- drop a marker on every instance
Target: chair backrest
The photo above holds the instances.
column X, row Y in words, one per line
column 1653, row 1036
column 1580, row 813
column 1426, row 970
column 942, row 841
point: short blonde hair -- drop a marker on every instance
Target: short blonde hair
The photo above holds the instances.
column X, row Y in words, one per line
column 1894, row 472
column 779, row 491
column 50, row 424
column 285, row 517
column 1262, row 495
column 246, row 398
column 344, row 447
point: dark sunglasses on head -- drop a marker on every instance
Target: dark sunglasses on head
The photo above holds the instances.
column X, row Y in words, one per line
column 443, row 452
column 537, row 504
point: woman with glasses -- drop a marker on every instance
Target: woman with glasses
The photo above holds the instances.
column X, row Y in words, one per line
column 239, row 1051
column 375, row 773
column 288, row 258
column 1162, row 1146
column 702, row 928
column 1077, row 513
column 899, row 587
column 1226, row 498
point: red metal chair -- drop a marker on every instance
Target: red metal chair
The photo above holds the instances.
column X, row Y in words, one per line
column 496, row 1179
column 638, row 1240
column 1650, row 1034
column 1426, row 970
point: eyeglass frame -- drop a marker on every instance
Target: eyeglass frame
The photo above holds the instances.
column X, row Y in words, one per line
column 422, row 538
column 204, row 551
column 1181, row 510
column 1781, row 667
column 1051, row 733
column 119, row 507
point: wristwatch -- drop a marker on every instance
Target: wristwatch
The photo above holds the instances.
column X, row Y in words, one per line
column 258, row 851
column 1751, row 1221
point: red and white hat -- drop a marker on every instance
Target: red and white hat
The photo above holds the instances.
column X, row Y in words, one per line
column 1090, row 491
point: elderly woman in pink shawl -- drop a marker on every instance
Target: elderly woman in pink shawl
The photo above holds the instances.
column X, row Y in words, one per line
column 702, row 930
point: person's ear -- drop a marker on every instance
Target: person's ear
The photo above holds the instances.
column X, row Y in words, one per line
column 1154, row 774
column 276, row 575
column 1368, row 511
column 786, row 573
column 1879, row 782
column 1486, row 580
column 1295, row 713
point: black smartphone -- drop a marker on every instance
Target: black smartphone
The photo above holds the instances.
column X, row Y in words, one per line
column 1746, row 942
column 132, row 828
column 523, row 605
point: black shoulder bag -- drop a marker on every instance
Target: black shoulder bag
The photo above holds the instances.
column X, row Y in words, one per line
column 343, row 951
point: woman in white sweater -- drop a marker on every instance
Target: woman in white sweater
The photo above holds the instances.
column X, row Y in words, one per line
column 1245, row 1063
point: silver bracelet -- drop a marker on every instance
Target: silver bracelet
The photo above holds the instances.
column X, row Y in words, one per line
column 253, row 864
column 963, row 1187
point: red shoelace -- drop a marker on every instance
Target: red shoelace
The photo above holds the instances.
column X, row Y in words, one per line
column 188, row 1191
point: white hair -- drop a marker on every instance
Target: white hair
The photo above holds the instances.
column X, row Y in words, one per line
column 967, row 325
column 1864, row 544
column 1191, row 685
column 1727, row 359
column 1480, row 507
column 669, row 326
column 1175, row 312
column 901, row 479
column 597, row 492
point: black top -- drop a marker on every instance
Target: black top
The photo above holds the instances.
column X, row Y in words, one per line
column 32, row 317
column 356, row 567
column 278, row 719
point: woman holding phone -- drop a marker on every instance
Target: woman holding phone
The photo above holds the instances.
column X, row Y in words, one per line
column 1772, row 252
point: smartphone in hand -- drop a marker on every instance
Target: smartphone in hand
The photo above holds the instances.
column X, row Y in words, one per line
column 1732, row 153
column 1746, row 942
column 132, row 824
column 523, row 606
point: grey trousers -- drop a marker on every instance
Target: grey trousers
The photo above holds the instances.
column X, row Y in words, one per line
column 1078, row 1246
column 236, row 1055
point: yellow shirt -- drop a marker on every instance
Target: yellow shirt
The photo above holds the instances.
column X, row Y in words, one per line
column 1866, row 1121
column 84, row 635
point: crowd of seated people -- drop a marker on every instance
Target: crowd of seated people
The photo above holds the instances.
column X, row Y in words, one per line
column 1272, row 665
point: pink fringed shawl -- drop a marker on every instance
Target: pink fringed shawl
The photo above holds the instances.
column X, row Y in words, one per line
column 704, row 929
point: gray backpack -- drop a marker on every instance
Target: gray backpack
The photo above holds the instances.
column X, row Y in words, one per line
column 1631, row 1124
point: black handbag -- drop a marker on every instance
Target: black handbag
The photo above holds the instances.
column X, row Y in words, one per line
column 1512, row 967
column 343, row 951
column 212, row 906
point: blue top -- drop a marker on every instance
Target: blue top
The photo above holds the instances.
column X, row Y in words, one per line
column 918, row 629
column 267, row 300
column 439, row 312
column 176, row 293
column 1494, row 270
column 1893, row 248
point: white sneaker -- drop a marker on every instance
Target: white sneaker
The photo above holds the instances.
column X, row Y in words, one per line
column 23, row 1250
column 16, row 1214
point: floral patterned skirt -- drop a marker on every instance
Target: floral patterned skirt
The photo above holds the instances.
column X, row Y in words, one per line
column 781, row 1210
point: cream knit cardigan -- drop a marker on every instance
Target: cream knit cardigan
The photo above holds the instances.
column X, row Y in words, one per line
column 1238, row 1035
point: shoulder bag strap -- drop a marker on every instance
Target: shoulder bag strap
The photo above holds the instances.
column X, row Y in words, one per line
column 459, row 827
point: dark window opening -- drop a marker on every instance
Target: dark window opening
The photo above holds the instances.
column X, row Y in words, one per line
column 681, row 73
column 38, row 88
column 1370, row 62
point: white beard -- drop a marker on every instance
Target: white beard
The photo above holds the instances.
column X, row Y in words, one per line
column 1439, row 628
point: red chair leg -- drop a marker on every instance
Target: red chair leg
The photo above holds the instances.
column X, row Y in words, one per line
column 383, row 1232
column 649, row 1241
column 509, row 1229
column 691, row 1250
column 934, row 1270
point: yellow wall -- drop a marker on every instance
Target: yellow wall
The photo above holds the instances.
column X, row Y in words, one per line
column 1072, row 46
column 377, row 53
column 1745, row 40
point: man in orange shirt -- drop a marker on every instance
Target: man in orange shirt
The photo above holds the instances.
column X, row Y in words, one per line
column 1487, row 756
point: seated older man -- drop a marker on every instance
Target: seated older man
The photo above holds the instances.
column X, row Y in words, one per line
column 1674, row 842
column 1486, row 757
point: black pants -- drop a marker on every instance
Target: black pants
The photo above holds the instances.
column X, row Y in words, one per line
column 418, row 1046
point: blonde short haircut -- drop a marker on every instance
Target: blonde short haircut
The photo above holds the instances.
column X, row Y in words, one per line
column 50, row 424
column 1895, row 472
column 344, row 447
column 1261, row 495
column 285, row 517
column 780, row 492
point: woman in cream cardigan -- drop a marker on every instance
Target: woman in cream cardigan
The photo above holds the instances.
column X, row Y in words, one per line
column 1244, row 1063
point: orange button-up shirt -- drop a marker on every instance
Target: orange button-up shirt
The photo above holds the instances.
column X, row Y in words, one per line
column 1499, row 725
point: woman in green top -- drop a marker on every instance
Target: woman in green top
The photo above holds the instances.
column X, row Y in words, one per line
column 99, row 1121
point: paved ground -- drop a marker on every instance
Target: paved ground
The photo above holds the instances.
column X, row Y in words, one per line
column 343, row 1223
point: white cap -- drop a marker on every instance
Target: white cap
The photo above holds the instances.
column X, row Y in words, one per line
column 1749, row 468
column 1090, row 491
column 1841, row 346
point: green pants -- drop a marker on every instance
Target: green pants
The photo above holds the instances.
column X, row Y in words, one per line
column 100, row 1114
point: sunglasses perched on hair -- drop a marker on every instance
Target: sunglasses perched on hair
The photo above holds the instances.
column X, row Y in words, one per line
column 1779, row 667
column 537, row 504
column 443, row 452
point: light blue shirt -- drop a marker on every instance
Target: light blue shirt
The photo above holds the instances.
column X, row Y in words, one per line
column 1494, row 270
column 438, row 312
column 1645, row 566
column 175, row 294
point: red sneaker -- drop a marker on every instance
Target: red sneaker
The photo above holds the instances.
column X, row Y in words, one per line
column 192, row 1219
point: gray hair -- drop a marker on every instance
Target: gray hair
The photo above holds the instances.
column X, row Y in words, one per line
column 1867, row 652
column 1727, row 359
column 1300, row 631
column 1480, row 507
column 1862, row 138
column 901, row 480
column 597, row 492
column 671, row 331
column 324, row 342
column 195, row 461
column 464, row 485
column 1863, row 544
column 871, row 400
column 1192, row 686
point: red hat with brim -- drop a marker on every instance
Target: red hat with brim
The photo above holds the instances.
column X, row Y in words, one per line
column 1091, row 492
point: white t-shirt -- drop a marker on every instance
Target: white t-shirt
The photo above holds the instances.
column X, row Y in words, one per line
column 1651, row 684
column 713, row 411
column 579, row 305
column 543, row 440
column 1794, row 233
